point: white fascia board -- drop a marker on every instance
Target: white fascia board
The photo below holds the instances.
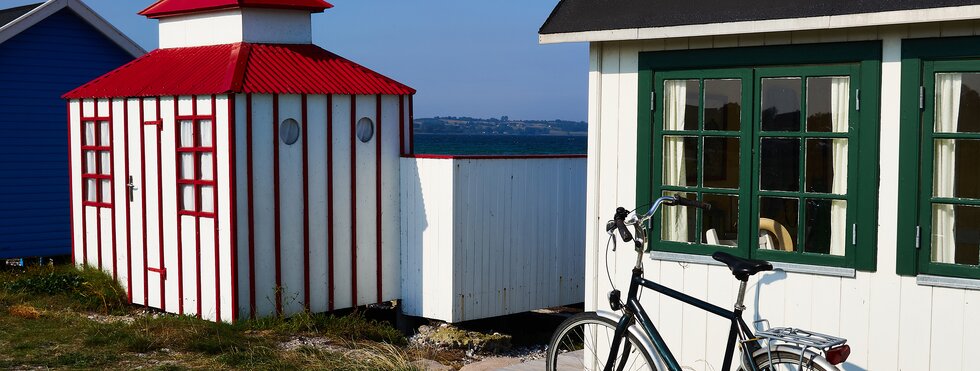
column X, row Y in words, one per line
column 50, row 7
column 900, row 17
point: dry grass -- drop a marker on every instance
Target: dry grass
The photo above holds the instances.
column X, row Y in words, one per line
column 24, row 311
column 44, row 316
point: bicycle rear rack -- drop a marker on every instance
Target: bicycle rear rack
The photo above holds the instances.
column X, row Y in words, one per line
column 804, row 338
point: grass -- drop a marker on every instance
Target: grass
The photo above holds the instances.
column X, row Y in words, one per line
column 44, row 323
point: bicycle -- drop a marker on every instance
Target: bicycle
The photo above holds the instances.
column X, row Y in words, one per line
column 597, row 338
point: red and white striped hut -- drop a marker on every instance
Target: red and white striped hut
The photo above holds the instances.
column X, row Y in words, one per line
column 240, row 170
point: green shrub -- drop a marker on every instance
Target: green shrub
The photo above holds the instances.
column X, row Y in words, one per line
column 86, row 289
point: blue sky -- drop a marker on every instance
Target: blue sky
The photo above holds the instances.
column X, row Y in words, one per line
column 465, row 58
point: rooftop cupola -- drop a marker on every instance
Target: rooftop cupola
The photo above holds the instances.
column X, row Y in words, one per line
column 185, row 23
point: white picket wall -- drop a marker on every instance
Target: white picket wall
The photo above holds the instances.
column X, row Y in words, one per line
column 891, row 322
column 490, row 237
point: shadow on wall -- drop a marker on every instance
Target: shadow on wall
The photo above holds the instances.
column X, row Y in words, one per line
column 414, row 222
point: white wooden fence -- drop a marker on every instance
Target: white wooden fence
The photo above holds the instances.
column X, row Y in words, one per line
column 491, row 236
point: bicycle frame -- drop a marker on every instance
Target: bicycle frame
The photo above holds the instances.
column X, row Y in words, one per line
column 634, row 312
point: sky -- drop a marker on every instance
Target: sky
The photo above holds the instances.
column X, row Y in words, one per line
column 465, row 58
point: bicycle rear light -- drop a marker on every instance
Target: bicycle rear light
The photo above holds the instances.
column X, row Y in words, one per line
column 838, row 355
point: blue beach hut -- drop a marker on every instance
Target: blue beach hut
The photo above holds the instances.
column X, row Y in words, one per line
column 46, row 49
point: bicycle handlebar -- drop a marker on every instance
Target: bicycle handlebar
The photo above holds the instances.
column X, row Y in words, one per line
column 688, row 202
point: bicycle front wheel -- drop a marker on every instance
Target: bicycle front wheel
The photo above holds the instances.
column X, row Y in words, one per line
column 583, row 342
column 781, row 360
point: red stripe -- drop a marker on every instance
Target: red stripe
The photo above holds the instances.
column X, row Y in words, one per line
column 401, row 125
column 71, row 181
column 377, row 187
column 129, row 230
column 112, row 190
column 146, row 282
column 411, row 124
column 330, row 225
column 251, row 206
column 353, row 197
column 98, row 188
column 197, row 204
column 493, row 157
column 180, row 251
column 215, row 208
column 276, row 200
column 306, row 206
column 233, row 207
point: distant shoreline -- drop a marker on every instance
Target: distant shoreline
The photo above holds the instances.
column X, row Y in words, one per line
column 572, row 134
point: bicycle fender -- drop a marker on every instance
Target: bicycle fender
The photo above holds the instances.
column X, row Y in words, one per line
column 810, row 355
column 640, row 336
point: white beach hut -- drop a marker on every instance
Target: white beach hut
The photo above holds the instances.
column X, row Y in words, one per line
column 240, row 170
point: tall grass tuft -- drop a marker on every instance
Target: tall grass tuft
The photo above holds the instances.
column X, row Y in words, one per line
column 86, row 289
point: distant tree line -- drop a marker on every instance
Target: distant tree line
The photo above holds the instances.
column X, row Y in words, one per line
column 495, row 126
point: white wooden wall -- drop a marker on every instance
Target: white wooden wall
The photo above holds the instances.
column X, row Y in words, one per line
column 304, row 273
column 490, row 237
column 891, row 322
column 114, row 239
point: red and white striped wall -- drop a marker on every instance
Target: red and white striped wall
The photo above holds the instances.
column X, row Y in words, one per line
column 313, row 225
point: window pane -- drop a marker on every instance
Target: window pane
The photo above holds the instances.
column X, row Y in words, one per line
column 721, row 162
column 105, row 165
column 187, row 133
column 722, row 104
column 680, row 161
column 207, row 166
column 780, row 170
column 90, row 133
column 781, row 104
column 678, row 222
column 681, row 104
column 827, row 104
column 720, row 224
column 956, row 234
column 106, row 189
column 778, row 223
column 104, row 133
column 89, row 163
column 955, row 173
column 91, row 190
column 826, row 226
column 957, row 103
column 207, row 199
column 187, row 166
column 204, row 127
column 826, row 165
column 187, row 197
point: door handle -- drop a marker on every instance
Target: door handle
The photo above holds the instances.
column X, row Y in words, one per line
column 132, row 187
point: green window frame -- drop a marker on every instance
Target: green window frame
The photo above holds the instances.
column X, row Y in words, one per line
column 922, row 60
column 858, row 61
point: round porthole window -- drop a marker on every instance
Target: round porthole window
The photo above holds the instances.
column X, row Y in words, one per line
column 289, row 131
column 365, row 129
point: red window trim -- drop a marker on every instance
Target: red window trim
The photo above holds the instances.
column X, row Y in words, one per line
column 197, row 150
column 96, row 149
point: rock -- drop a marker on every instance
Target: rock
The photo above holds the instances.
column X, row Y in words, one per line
column 430, row 365
column 492, row 363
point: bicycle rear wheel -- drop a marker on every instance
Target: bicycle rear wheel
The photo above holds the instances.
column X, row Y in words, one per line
column 781, row 360
column 583, row 342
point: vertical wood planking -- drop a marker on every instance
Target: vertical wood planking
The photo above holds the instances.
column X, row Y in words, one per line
column 365, row 201
column 391, row 112
column 317, row 183
column 291, row 210
column 263, row 204
column 342, row 212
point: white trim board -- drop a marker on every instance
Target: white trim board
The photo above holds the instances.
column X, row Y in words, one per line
column 900, row 17
column 50, row 7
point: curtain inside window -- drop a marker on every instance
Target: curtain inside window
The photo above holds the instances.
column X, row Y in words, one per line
column 840, row 108
column 187, row 133
column 104, row 133
column 675, row 100
column 948, row 87
column 90, row 133
column 204, row 127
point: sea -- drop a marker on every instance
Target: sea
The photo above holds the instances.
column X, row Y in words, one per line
column 470, row 144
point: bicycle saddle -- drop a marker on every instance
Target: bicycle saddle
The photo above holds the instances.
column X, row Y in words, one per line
column 742, row 268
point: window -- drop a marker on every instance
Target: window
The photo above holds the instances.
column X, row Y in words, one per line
column 196, row 167
column 96, row 161
column 944, row 204
column 776, row 150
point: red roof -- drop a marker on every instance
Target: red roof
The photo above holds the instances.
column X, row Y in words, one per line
column 166, row 8
column 240, row 68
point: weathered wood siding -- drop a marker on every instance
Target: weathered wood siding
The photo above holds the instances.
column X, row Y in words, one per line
column 891, row 322
column 490, row 237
